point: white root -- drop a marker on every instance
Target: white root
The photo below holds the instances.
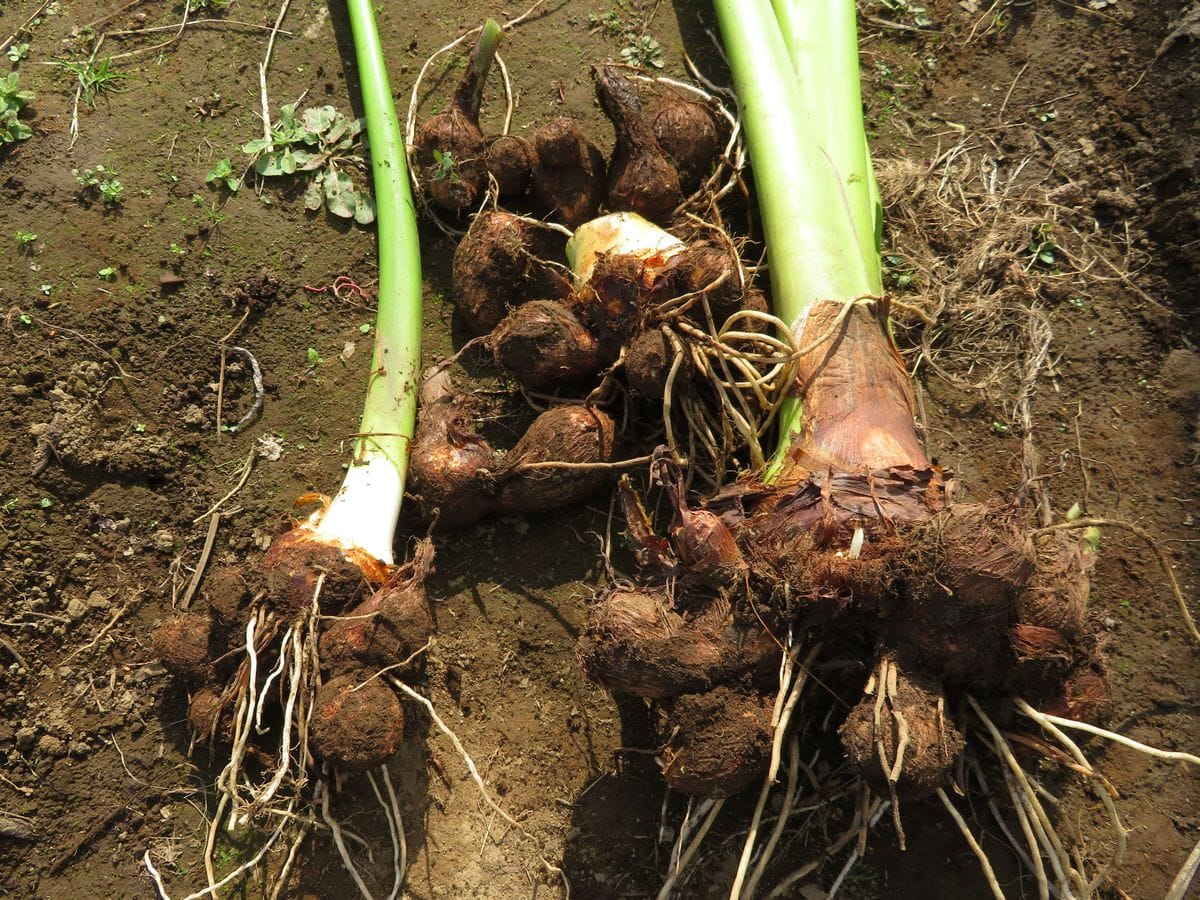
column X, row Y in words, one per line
column 335, row 828
column 782, row 719
column 686, row 857
column 458, row 745
column 988, row 874
column 391, row 812
column 1042, row 718
column 1048, row 723
column 1064, row 872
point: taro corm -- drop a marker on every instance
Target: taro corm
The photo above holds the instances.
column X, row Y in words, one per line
column 458, row 478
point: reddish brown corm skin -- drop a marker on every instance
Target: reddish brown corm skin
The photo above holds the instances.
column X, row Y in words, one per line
column 388, row 627
column 298, row 558
column 357, row 724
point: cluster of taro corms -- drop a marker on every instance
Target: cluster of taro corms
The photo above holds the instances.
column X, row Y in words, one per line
column 590, row 332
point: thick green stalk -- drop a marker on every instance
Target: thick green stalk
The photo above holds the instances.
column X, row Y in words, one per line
column 808, row 208
column 822, row 42
column 381, row 452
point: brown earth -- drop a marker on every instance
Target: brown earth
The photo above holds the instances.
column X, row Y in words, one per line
column 109, row 454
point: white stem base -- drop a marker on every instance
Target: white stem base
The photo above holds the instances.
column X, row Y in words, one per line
column 364, row 512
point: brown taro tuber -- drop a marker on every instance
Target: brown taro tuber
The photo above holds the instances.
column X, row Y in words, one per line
column 641, row 178
column 568, row 177
column 497, row 265
column 458, row 478
column 688, row 134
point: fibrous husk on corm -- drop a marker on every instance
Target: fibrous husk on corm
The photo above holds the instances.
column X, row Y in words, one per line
column 388, row 627
column 542, row 345
column 581, row 436
column 641, row 178
column 497, row 266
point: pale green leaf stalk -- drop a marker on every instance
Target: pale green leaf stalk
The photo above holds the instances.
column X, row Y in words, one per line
column 802, row 111
column 365, row 510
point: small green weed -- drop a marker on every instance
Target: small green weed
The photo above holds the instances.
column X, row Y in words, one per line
column 94, row 77
column 1041, row 247
column 896, row 272
column 100, row 182
column 25, row 239
column 444, row 166
column 222, row 175
column 640, row 48
column 213, row 213
column 321, row 144
column 17, row 52
column 643, row 50
column 12, row 101
column 905, row 10
column 108, row 273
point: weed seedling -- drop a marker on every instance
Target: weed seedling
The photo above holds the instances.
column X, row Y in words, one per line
column 222, row 175
column 108, row 273
column 12, row 101
column 444, row 166
column 17, row 52
column 93, row 77
column 643, row 50
column 1041, row 248
column 25, row 239
column 323, row 145
column 100, row 182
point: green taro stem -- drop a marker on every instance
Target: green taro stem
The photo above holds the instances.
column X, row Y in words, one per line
column 390, row 409
column 795, row 71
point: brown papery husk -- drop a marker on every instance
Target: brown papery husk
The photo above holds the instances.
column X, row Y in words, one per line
column 510, row 160
column 721, row 740
column 707, row 268
column 496, row 267
column 568, row 177
column 357, row 724
column 858, row 400
column 934, row 742
column 961, row 575
column 543, row 345
column 573, row 434
column 387, row 627
column 688, row 134
column 448, row 457
column 641, row 178
column 182, row 644
column 619, row 291
column 636, row 643
column 297, row 559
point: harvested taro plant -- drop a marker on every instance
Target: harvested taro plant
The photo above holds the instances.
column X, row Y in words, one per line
column 281, row 666
column 837, row 582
